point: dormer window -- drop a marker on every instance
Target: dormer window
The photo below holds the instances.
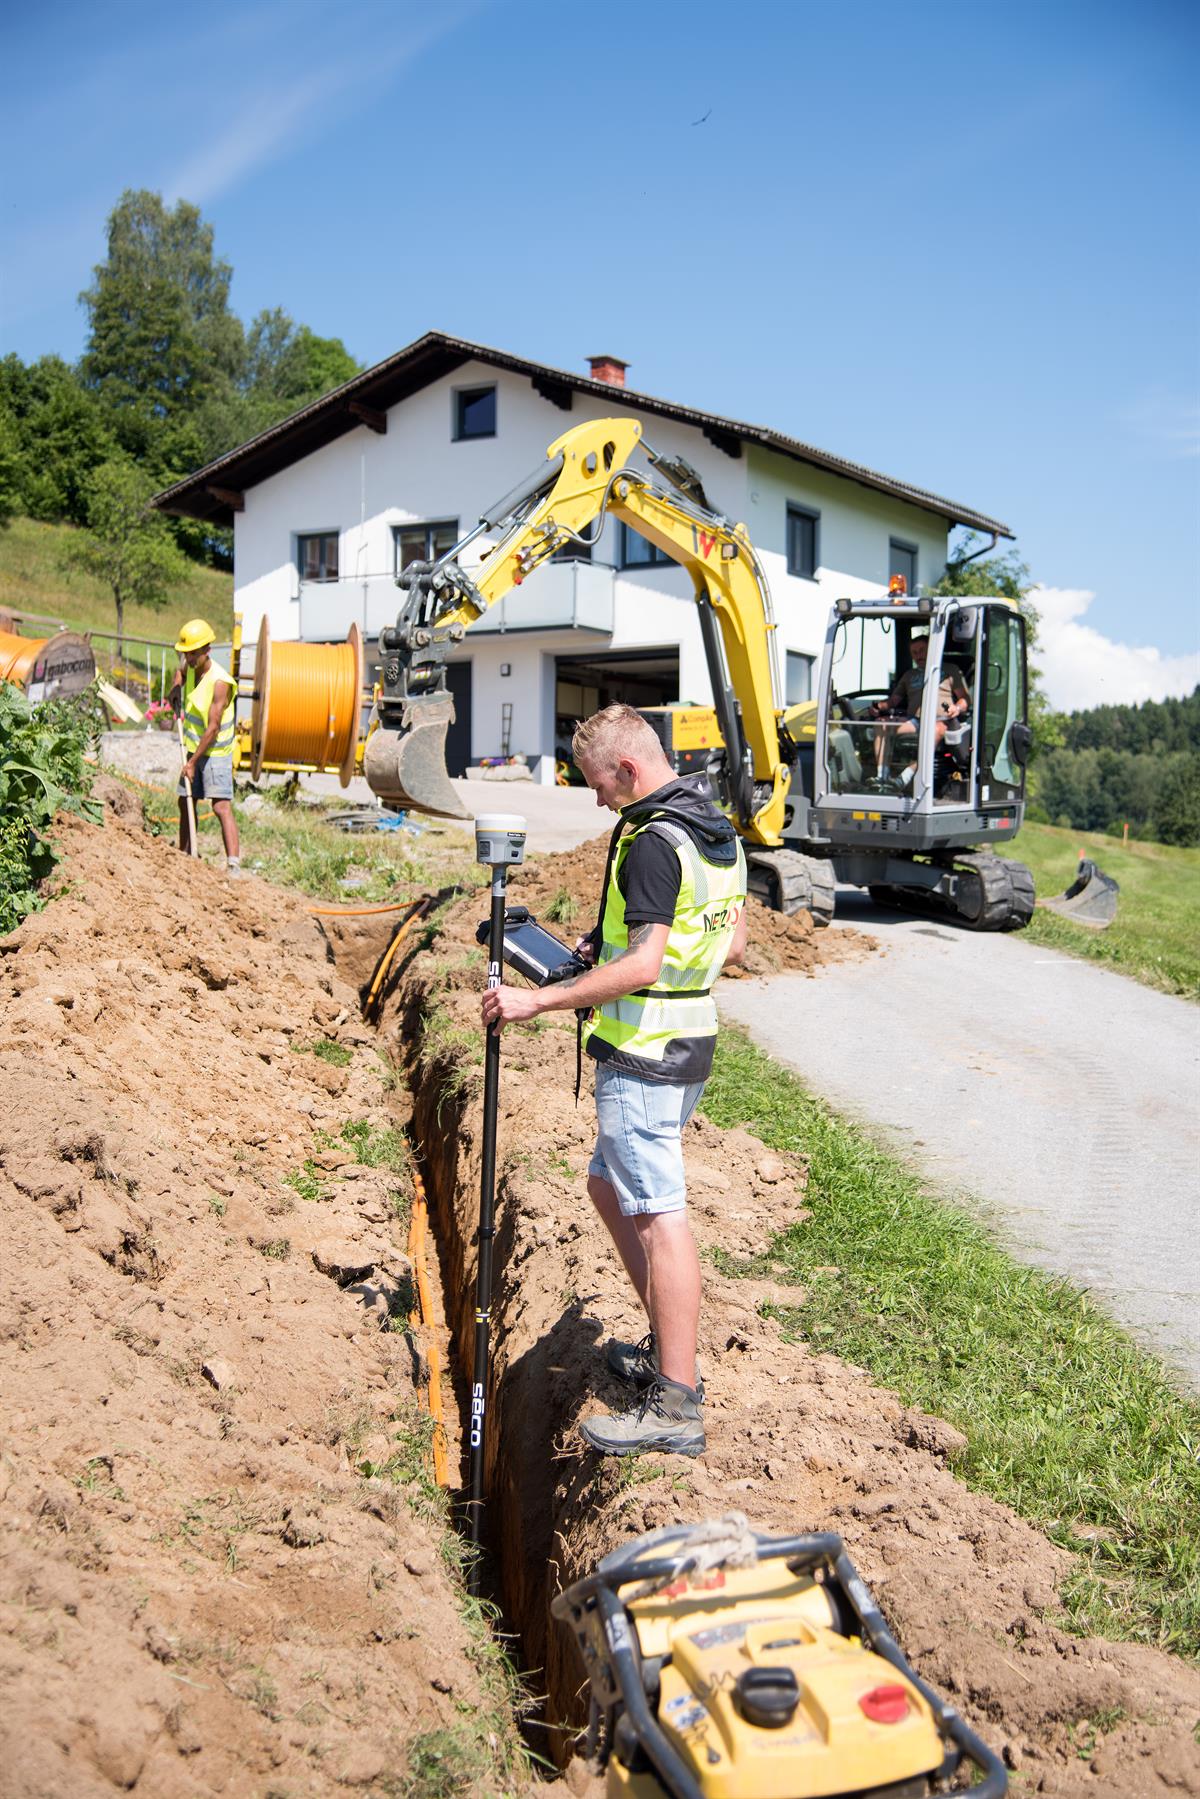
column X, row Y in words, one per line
column 474, row 413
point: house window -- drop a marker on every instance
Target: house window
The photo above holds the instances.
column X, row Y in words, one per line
column 423, row 543
column 902, row 560
column 636, row 551
column 317, row 556
column 474, row 412
column 802, row 542
column 799, row 678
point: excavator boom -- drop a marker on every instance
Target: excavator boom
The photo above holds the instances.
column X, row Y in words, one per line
column 587, row 474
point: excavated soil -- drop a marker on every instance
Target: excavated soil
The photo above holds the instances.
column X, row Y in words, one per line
column 200, row 1592
column 796, row 1439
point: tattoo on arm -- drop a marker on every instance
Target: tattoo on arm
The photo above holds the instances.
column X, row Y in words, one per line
column 639, row 934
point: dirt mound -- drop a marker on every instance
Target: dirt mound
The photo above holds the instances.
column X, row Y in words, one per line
column 796, row 1439
column 202, row 1297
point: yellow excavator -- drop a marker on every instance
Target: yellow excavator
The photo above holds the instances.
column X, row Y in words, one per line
column 853, row 788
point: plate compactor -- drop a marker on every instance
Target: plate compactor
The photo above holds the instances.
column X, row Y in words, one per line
column 728, row 1665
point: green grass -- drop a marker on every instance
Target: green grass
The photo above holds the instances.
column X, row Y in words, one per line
column 338, row 1055
column 1067, row 1420
column 1156, row 935
column 307, row 1182
column 294, row 847
column 34, row 578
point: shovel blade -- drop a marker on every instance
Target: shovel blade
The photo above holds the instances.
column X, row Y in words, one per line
column 407, row 768
column 1090, row 900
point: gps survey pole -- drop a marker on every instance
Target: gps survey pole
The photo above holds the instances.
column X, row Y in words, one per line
column 500, row 843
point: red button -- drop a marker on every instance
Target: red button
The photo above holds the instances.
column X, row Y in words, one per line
column 885, row 1705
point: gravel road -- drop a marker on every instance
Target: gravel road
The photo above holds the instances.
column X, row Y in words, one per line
column 1064, row 1100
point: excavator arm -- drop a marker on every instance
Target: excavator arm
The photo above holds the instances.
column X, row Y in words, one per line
column 588, row 473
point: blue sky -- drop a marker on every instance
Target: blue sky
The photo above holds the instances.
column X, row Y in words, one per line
column 955, row 242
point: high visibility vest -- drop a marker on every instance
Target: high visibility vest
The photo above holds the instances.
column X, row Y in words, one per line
column 668, row 1032
column 195, row 713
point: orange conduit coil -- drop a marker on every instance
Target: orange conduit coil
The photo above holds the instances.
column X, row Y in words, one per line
column 423, row 1314
column 30, row 662
column 307, row 698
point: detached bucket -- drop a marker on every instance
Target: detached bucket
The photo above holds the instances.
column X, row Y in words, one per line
column 1090, row 900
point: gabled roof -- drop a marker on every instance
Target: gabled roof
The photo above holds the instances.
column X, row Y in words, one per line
column 214, row 492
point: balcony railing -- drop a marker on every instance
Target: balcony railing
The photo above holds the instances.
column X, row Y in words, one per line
column 559, row 596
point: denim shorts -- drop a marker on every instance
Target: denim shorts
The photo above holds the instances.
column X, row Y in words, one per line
column 213, row 779
column 639, row 1148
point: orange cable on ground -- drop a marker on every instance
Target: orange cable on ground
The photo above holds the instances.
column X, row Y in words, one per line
column 423, row 1313
column 358, row 911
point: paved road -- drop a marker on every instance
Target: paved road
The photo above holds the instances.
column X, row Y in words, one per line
column 1063, row 1097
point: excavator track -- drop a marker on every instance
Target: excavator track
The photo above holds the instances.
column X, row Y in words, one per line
column 993, row 895
column 789, row 882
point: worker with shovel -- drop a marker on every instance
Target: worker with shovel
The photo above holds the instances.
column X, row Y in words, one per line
column 207, row 716
column 672, row 913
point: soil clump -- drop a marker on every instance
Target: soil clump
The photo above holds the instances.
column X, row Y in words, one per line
column 796, row 1439
column 204, row 1296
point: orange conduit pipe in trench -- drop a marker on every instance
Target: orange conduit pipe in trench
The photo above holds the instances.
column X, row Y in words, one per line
column 423, row 1314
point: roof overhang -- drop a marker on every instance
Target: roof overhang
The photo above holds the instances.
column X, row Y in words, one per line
column 215, row 492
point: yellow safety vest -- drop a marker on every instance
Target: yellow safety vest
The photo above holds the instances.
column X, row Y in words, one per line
column 668, row 1032
column 195, row 713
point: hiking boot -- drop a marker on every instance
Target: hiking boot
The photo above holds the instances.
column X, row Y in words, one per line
column 637, row 1363
column 668, row 1417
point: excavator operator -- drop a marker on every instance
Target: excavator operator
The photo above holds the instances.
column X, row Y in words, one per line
column 904, row 701
column 672, row 913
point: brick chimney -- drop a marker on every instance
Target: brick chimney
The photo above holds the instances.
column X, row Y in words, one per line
column 608, row 368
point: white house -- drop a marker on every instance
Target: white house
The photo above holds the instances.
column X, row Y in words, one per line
column 399, row 462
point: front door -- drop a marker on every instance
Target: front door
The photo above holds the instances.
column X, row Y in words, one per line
column 458, row 737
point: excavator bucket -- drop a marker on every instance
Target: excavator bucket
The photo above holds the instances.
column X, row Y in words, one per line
column 1090, row 900
column 407, row 768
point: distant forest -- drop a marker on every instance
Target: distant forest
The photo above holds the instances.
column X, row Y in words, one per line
column 1118, row 765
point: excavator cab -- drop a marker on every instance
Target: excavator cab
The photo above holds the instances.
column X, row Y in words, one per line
column 922, row 739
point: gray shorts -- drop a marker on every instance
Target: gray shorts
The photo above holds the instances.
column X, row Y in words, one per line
column 639, row 1147
column 213, row 779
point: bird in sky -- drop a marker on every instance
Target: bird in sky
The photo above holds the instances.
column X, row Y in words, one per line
column 707, row 115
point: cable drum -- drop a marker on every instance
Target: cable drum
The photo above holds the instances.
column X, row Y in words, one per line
column 307, row 698
column 47, row 668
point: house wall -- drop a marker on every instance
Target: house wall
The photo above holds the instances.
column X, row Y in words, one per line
column 364, row 484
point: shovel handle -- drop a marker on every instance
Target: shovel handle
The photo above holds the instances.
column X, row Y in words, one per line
column 193, row 849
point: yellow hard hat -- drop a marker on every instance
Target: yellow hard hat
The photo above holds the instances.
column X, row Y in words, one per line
column 195, row 634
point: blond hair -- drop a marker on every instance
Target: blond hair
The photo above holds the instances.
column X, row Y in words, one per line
column 614, row 732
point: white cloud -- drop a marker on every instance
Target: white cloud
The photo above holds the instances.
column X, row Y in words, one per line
column 1166, row 423
column 268, row 121
column 1081, row 667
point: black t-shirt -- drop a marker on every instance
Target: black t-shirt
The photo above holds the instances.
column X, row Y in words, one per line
column 649, row 880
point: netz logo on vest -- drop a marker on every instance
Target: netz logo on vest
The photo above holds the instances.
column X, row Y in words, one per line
column 723, row 920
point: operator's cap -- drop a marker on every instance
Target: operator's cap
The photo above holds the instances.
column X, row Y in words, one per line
column 195, row 635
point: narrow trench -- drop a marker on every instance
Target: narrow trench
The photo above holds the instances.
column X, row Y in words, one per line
column 504, row 1571
column 514, row 1576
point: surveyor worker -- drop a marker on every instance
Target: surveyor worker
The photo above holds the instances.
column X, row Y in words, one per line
column 208, row 717
column 672, row 913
